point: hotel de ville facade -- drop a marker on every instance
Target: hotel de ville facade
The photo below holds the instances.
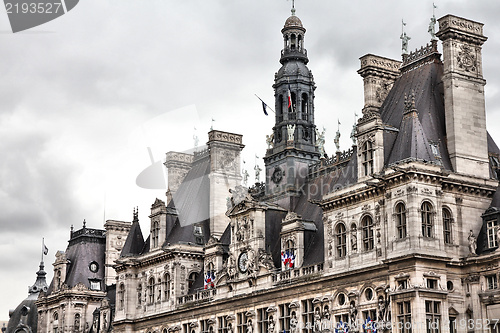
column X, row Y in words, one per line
column 398, row 234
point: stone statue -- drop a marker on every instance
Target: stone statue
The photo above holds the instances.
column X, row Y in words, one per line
column 320, row 141
column 257, row 173
column 290, row 130
column 249, row 326
column 265, row 260
column 472, row 243
column 270, row 325
column 353, row 312
column 294, row 323
column 270, row 141
column 245, row 177
column 325, row 322
column 230, row 328
column 498, row 236
column 353, row 135
column 231, row 266
column 404, row 44
column 381, row 309
column 354, row 242
column 432, row 28
column 337, row 141
column 196, row 140
column 317, row 320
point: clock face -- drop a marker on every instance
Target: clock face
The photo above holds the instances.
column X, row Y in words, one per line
column 242, row 262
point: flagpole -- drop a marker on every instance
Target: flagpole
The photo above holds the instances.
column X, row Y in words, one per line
column 267, row 106
column 43, row 243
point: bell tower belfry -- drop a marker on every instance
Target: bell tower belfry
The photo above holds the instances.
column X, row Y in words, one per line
column 293, row 145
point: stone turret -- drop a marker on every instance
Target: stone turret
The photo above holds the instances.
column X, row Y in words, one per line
column 464, row 95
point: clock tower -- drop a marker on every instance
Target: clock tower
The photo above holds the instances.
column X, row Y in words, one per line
column 293, row 146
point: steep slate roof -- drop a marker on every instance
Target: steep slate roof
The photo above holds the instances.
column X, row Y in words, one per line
column 195, row 188
column 134, row 244
column 412, row 139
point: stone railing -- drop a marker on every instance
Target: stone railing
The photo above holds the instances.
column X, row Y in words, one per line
column 336, row 160
column 88, row 232
column 199, row 296
column 419, row 54
column 289, row 276
column 200, row 154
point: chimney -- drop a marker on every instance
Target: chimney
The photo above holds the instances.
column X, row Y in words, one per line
column 178, row 165
column 225, row 174
column 378, row 75
column 464, row 95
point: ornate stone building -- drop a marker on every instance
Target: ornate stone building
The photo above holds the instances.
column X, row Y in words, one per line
column 399, row 232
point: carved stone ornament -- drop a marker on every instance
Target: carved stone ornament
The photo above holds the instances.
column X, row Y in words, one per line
column 291, row 216
column 277, row 175
column 466, row 59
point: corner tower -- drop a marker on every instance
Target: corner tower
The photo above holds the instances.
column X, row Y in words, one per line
column 293, row 146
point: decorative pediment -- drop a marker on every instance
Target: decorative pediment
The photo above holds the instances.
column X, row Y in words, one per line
column 431, row 274
column 250, row 314
column 271, row 309
column 293, row 305
column 291, row 216
column 174, row 328
column 193, row 324
column 230, row 318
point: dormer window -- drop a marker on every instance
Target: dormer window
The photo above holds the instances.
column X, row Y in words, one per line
column 155, row 233
column 367, row 158
column 431, row 283
column 95, row 284
column 491, row 228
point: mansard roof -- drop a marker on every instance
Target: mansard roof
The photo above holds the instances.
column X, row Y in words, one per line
column 411, row 139
column 192, row 199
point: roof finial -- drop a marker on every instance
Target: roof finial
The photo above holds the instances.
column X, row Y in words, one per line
column 404, row 38
column 84, row 223
column 136, row 214
column 293, row 7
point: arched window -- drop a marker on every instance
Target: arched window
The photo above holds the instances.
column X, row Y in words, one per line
column 300, row 42
column 367, row 158
column 293, row 42
column 121, row 296
column 401, row 220
column 279, row 108
column 155, row 233
column 305, row 106
column 151, row 290
column 192, row 277
column 58, row 279
column 55, row 322
column 166, row 286
column 340, row 232
column 367, row 229
column 447, row 219
column 427, row 223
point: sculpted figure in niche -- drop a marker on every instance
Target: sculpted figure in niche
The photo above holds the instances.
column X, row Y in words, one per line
column 231, row 266
column 317, row 320
column 270, row 327
column 249, row 326
column 294, row 323
column 325, row 322
column 381, row 309
column 498, row 236
column 353, row 312
column 230, row 328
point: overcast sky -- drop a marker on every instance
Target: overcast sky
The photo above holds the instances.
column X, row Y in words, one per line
column 84, row 96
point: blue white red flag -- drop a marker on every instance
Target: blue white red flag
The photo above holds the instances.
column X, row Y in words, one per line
column 209, row 280
column 370, row 326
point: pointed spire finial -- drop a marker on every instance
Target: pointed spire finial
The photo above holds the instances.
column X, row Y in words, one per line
column 136, row 214
column 293, row 7
column 84, row 223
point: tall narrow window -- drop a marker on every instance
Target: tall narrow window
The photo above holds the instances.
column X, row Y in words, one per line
column 292, row 107
column 401, row 220
column 166, row 286
column 305, row 107
column 447, row 225
column 264, row 320
column 284, row 318
column 192, row 277
column 341, row 240
column 491, row 281
column 121, row 297
column 433, row 316
column 367, row 229
column 307, row 316
column 151, row 290
column 491, row 228
column 155, row 233
column 367, row 158
column 427, row 223
column 76, row 323
column 279, row 109
column 404, row 317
